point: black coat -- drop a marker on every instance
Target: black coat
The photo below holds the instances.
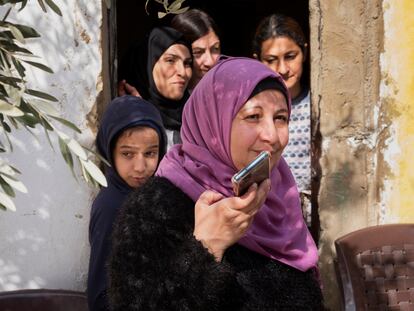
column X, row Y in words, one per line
column 157, row 264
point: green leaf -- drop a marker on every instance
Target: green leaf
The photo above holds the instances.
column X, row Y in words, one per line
column 13, row 81
column 7, row 202
column 13, row 122
column 24, row 2
column 10, row 110
column 67, row 123
column 161, row 14
column 3, row 92
column 6, row 169
column 95, row 172
column 85, row 174
column 28, row 120
column 44, row 107
column 6, row 126
column 42, row 95
column 181, row 10
column 4, row 60
column 73, row 145
column 98, row 156
column 2, row 2
column 46, row 124
column 54, row 7
column 42, row 5
column 16, row 184
column 11, row 48
column 28, row 107
column 15, row 169
column 40, row 66
column 7, row 188
column 16, row 33
column 9, row 141
column 2, row 148
column 45, row 128
column 175, row 5
column 27, row 32
column 77, row 149
column 14, row 94
column 19, row 67
column 67, row 156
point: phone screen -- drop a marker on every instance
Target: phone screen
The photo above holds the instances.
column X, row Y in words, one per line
column 255, row 172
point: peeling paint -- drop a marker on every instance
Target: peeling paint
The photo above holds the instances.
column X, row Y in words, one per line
column 85, row 37
column 326, row 144
column 397, row 92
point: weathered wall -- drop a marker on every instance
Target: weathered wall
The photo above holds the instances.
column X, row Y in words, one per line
column 45, row 244
column 362, row 88
column 346, row 43
column 397, row 94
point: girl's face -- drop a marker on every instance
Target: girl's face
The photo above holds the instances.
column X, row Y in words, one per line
column 172, row 72
column 261, row 124
column 206, row 51
column 136, row 154
column 284, row 56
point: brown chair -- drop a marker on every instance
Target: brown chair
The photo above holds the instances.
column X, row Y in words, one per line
column 43, row 300
column 375, row 268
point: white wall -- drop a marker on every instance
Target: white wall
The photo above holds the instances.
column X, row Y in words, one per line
column 44, row 244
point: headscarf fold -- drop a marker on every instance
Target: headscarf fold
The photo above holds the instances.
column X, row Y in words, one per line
column 203, row 161
column 137, row 65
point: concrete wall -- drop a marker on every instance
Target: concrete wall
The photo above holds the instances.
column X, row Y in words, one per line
column 362, row 89
column 44, row 244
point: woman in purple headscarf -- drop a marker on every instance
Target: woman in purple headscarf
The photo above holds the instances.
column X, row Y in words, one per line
column 183, row 241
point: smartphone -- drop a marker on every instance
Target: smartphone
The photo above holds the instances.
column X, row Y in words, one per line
column 255, row 172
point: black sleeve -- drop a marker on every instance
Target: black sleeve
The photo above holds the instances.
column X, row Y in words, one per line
column 156, row 262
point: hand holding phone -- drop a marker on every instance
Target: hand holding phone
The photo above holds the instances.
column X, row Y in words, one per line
column 220, row 221
column 255, row 172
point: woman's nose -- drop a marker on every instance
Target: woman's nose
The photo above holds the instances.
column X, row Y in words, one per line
column 208, row 60
column 283, row 68
column 269, row 132
column 180, row 68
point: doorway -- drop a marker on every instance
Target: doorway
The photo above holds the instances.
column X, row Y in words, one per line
column 237, row 20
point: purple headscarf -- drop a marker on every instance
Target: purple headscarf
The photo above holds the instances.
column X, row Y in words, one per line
column 203, row 161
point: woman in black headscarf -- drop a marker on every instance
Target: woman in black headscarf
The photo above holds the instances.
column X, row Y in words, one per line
column 159, row 68
column 124, row 116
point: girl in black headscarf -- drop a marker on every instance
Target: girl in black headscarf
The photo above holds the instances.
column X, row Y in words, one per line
column 159, row 68
column 131, row 120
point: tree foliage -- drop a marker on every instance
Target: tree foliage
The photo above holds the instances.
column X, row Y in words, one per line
column 173, row 8
column 27, row 108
